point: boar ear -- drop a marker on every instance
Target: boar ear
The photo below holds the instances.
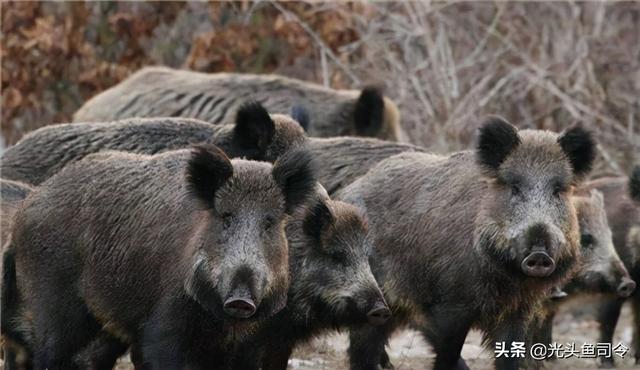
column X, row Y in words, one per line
column 254, row 129
column 207, row 170
column 496, row 139
column 634, row 184
column 294, row 172
column 579, row 146
column 300, row 114
column 369, row 112
column 317, row 219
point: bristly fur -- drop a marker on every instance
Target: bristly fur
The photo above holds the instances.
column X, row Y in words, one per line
column 634, row 184
column 301, row 115
column 369, row 111
column 254, row 127
column 580, row 148
column 317, row 219
column 295, row 172
column 496, row 139
column 207, row 171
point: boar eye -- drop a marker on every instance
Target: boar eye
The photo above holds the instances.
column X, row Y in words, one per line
column 338, row 256
column 227, row 217
column 558, row 189
column 586, row 240
column 515, row 189
column 269, row 222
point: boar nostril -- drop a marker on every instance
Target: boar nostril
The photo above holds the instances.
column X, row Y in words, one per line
column 626, row 288
column 241, row 308
column 379, row 314
column 538, row 264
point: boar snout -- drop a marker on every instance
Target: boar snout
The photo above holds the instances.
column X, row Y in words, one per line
column 240, row 304
column 245, row 293
column 379, row 314
column 540, row 240
column 626, row 287
column 538, row 264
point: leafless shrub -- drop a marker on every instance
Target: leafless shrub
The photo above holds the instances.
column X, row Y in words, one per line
column 540, row 65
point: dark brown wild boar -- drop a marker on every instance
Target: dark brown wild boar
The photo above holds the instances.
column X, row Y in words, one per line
column 622, row 203
column 165, row 92
column 332, row 286
column 255, row 135
column 475, row 239
column 181, row 254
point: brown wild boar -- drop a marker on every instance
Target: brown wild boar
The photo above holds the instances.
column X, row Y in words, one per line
column 332, row 286
column 181, row 253
column 341, row 160
column 475, row 239
column 601, row 271
column 165, row 92
column 255, row 135
column 622, row 203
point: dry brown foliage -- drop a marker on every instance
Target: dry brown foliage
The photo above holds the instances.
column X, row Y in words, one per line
column 540, row 65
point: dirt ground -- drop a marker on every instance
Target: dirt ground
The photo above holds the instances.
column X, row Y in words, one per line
column 408, row 351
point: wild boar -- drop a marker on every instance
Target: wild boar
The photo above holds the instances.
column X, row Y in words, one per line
column 255, row 135
column 332, row 286
column 342, row 160
column 475, row 239
column 601, row 270
column 622, row 203
column 165, row 92
column 182, row 253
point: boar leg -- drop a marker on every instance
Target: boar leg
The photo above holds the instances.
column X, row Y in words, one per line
column 248, row 356
column 366, row 345
column 181, row 335
column 446, row 331
column 510, row 329
column 544, row 332
column 608, row 315
column 277, row 359
column 62, row 327
column 635, row 302
column 385, row 361
column 102, row 353
column 165, row 338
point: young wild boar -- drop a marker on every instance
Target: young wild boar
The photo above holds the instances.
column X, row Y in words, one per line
column 622, row 203
column 601, row 270
column 183, row 253
column 332, row 286
column 255, row 135
column 161, row 91
column 473, row 239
